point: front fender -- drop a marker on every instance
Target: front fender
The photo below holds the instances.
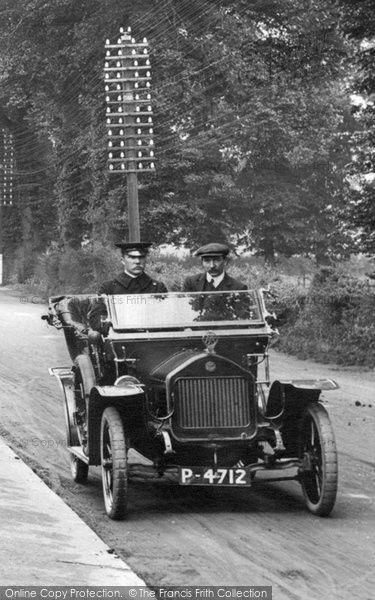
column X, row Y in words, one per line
column 128, row 396
column 286, row 403
column 291, row 396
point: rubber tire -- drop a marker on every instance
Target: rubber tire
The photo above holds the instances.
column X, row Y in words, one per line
column 84, row 377
column 113, row 454
column 318, row 440
column 79, row 469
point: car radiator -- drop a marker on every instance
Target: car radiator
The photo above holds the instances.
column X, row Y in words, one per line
column 211, row 402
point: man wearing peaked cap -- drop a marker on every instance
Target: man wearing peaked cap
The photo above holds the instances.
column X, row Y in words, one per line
column 133, row 280
column 215, row 260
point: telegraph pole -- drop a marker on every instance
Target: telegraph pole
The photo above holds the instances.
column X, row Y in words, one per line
column 1, row 242
column 6, row 183
column 127, row 74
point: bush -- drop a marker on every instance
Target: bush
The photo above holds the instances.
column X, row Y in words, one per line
column 80, row 271
column 73, row 271
column 336, row 323
column 287, row 301
column 333, row 320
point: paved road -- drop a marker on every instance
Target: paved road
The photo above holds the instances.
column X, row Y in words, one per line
column 178, row 536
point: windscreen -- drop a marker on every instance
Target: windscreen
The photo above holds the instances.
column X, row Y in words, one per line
column 175, row 310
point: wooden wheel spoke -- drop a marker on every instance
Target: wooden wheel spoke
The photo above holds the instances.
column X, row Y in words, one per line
column 319, row 470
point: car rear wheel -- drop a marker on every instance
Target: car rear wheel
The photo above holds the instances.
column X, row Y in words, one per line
column 114, row 464
column 78, row 469
column 317, row 451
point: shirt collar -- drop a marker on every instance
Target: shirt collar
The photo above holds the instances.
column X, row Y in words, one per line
column 130, row 275
column 215, row 280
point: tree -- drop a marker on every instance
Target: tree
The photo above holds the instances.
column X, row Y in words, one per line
column 358, row 23
column 248, row 108
column 263, row 106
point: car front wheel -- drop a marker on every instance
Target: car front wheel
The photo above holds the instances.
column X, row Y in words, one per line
column 318, row 455
column 114, row 464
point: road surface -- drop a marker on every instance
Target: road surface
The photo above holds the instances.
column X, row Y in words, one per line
column 184, row 536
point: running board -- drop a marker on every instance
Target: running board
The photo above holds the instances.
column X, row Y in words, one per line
column 77, row 451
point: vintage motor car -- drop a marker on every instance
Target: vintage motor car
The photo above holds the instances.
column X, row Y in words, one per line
column 183, row 379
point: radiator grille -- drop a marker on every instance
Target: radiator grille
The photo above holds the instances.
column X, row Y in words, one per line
column 212, row 402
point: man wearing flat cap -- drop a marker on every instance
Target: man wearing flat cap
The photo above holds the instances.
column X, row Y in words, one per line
column 214, row 259
column 133, row 280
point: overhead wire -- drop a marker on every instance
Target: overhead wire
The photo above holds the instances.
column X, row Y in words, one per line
column 94, row 80
column 72, row 92
column 97, row 85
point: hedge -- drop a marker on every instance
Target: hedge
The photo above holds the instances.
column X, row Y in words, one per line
column 333, row 320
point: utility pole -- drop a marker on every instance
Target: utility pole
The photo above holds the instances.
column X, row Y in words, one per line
column 6, row 184
column 1, row 243
column 127, row 74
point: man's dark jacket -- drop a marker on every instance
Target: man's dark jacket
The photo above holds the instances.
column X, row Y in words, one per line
column 198, row 283
column 123, row 284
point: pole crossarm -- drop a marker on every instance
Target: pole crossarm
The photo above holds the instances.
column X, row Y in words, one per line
column 6, row 167
column 127, row 75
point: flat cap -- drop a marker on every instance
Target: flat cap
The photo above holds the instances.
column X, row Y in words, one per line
column 142, row 247
column 213, row 249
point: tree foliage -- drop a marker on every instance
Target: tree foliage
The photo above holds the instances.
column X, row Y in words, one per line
column 250, row 120
column 357, row 21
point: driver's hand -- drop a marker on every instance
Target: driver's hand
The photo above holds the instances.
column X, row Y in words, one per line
column 56, row 322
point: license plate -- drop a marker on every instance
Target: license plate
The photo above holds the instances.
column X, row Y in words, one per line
column 220, row 476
